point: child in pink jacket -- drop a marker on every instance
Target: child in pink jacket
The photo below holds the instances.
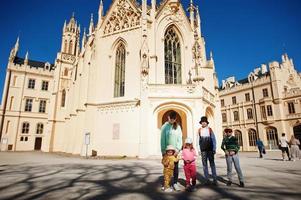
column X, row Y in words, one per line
column 189, row 157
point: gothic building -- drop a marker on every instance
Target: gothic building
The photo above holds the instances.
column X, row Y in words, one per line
column 264, row 105
column 113, row 87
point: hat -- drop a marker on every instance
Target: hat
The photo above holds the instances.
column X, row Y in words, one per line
column 204, row 119
column 188, row 140
column 228, row 129
column 170, row 147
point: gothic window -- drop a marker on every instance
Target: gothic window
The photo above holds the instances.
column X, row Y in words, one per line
column 272, row 137
column 222, row 102
column 263, row 112
column 238, row 135
column 119, row 84
column 252, row 137
column 65, row 72
column 65, row 46
column 70, row 47
column 63, row 98
column 11, row 102
column 265, row 92
column 234, row 100
column 247, row 96
column 172, row 55
column 31, row 83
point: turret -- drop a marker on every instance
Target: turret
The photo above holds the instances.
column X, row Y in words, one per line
column 100, row 13
column 91, row 26
column 14, row 51
column 191, row 12
column 70, row 39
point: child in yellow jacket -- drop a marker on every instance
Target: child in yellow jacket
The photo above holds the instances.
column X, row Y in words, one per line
column 168, row 162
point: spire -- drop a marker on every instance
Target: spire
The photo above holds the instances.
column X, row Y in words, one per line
column 65, row 24
column 26, row 58
column 17, row 45
column 84, row 39
column 100, row 12
column 14, row 51
column 91, row 27
column 144, row 9
column 198, row 20
column 153, row 11
column 191, row 11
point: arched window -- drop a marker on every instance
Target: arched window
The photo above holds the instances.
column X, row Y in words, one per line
column 65, row 46
column 63, row 100
column 238, row 135
column 172, row 56
column 272, row 137
column 70, row 47
column 65, row 72
column 119, row 82
column 252, row 137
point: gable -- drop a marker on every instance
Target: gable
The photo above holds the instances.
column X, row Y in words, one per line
column 122, row 15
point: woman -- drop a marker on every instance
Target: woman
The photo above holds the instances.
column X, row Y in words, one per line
column 295, row 152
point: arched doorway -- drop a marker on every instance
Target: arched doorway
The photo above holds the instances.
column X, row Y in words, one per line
column 297, row 132
column 272, row 137
column 210, row 116
column 238, row 135
column 165, row 118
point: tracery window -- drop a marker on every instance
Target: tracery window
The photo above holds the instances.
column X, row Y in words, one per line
column 119, row 82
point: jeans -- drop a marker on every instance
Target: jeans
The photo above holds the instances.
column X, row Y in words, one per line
column 260, row 149
column 208, row 155
column 235, row 160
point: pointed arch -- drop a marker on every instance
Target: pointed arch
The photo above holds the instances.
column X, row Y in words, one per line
column 63, row 99
column 65, row 46
column 119, row 80
column 172, row 56
column 70, row 47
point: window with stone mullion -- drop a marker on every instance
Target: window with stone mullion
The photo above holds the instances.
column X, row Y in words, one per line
column 119, row 87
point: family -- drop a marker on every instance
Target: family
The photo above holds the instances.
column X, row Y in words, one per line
column 173, row 151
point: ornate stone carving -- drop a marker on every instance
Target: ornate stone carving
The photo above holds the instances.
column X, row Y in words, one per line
column 68, row 58
column 123, row 17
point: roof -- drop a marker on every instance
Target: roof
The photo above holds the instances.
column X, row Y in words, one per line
column 32, row 63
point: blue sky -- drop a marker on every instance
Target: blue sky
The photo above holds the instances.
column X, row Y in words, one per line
column 241, row 33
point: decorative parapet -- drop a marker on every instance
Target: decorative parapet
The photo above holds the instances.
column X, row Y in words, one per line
column 172, row 90
column 126, row 106
column 294, row 116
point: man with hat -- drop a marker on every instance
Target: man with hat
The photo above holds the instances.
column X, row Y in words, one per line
column 207, row 143
column 231, row 148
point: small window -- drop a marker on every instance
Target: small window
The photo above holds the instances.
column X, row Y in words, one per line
column 26, row 139
column 224, row 117
column 63, row 100
column 31, row 83
column 291, row 107
column 40, row 128
column 247, row 95
column 236, row 115
column 28, row 105
column 233, row 100
column 250, row 113
column 45, row 85
column 66, row 72
column 265, row 92
column 22, row 139
column 269, row 110
column 15, row 80
column 11, row 102
column 42, row 108
column 25, row 128
column 222, row 102
column 7, row 126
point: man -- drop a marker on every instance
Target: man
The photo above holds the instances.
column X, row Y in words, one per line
column 283, row 143
column 231, row 148
column 260, row 147
column 171, row 134
column 207, row 143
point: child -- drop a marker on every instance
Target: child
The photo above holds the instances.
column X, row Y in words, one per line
column 168, row 162
column 231, row 148
column 189, row 156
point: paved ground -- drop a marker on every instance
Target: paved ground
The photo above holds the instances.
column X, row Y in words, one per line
column 36, row 175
